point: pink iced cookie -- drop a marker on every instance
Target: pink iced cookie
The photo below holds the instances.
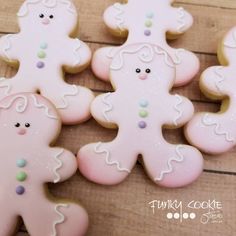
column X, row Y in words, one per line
column 142, row 75
column 28, row 125
column 148, row 21
column 215, row 133
column 44, row 50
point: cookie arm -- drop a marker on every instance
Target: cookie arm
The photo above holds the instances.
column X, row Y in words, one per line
column 77, row 55
column 115, row 19
column 180, row 20
column 214, row 83
column 102, row 110
column 63, row 166
column 8, row 49
column 180, row 111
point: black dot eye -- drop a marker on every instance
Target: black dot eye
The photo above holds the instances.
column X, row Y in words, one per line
column 51, row 16
column 17, row 125
column 41, row 15
column 148, row 71
column 138, row 70
column 27, row 125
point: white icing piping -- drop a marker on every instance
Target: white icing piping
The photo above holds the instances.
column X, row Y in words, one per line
column 76, row 52
column 110, row 53
column 217, row 130
column 66, row 104
column 47, row 3
column 107, row 158
column 178, row 158
column 109, row 106
column 229, row 45
column 119, row 17
column 6, row 85
column 59, row 165
column 177, row 108
column 38, row 105
column 159, row 51
column 181, row 19
column 7, row 45
column 59, row 221
column 221, row 77
column 20, row 107
column 177, row 59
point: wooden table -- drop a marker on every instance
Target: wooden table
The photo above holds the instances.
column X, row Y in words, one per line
column 125, row 209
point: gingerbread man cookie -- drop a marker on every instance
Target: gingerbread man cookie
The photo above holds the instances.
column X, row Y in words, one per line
column 142, row 74
column 44, row 51
column 148, row 22
column 28, row 125
column 215, row 133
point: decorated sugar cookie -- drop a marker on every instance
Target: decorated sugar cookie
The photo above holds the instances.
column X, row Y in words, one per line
column 148, row 21
column 28, row 125
column 44, row 50
column 142, row 75
column 215, row 133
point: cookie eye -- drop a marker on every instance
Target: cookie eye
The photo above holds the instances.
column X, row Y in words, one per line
column 148, row 71
column 51, row 16
column 138, row 70
column 41, row 15
column 27, row 125
column 17, row 125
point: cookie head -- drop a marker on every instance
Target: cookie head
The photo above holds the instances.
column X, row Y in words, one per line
column 54, row 16
column 142, row 64
column 26, row 116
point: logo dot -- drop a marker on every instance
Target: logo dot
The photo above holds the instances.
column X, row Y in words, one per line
column 192, row 216
column 169, row 215
column 176, row 216
column 185, row 216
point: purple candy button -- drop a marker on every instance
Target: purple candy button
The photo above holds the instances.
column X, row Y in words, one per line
column 147, row 32
column 20, row 190
column 40, row 64
column 142, row 124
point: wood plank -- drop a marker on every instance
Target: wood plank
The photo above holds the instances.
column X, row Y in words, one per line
column 93, row 29
column 87, row 78
column 124, row 209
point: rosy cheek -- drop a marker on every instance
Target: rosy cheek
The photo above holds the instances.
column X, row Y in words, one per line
column 21, row 131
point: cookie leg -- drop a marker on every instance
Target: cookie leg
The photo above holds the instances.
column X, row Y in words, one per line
column 209, row 133
column 56, row 219
column 8, row 223
column 173, row 165
column 73, row 102
column 102, row 60
column 187, row 65
column 106, row 163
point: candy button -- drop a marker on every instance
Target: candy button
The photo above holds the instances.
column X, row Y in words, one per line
column 20, row 190
column 21, row 163
column 149, row 15
column 142, row 124
column 43, row 45
column 21, row 176
column 147, row 32
column 143, row 113
column 41, row 54
column 143, row 103
column 148, row 23
column 40, row 64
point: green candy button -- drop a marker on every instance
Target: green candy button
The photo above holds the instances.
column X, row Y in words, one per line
column 143, row 113
column 41, row 54
column 148, row 23
column 21, row 176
